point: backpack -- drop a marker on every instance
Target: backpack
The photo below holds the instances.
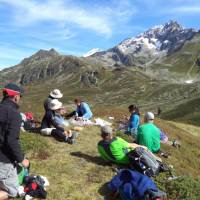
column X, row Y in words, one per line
column 34, row 186
column 29, row 116
column 29, row 125
column 132, row 185
column 145, row 162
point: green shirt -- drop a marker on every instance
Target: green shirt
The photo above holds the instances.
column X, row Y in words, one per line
column 114, row 151
column 149, row 136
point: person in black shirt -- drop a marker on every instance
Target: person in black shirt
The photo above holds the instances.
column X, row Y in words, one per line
column 10, row 150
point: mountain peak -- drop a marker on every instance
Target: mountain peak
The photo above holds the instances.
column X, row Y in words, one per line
column 173, row 25
column 45, row 53
column 41, row 55
column 153, row 44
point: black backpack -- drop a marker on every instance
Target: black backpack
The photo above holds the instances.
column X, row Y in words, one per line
column 144, row 162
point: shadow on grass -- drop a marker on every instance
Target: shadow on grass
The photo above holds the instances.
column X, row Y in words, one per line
column 105, row 192
column 93, row 159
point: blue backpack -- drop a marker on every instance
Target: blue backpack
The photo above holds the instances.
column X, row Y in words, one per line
column 132, row 185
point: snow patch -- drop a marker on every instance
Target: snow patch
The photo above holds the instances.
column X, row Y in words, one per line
column 190, row 81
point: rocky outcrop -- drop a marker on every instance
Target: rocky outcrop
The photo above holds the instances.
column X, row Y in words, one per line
column 48, row 64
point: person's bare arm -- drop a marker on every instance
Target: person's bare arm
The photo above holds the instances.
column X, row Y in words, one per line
column 134, row 145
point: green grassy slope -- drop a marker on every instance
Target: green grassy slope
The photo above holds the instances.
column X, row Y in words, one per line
column 76, row 172
column 188, row 112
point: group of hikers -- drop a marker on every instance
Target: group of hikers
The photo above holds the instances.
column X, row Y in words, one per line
column 55, row 123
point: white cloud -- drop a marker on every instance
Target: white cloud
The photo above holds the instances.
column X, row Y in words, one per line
column 101, row 19
column 187, row 9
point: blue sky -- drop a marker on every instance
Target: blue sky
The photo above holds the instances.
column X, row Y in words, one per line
column 76, row 26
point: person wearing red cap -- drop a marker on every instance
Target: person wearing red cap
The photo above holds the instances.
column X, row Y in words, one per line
column 10, row 150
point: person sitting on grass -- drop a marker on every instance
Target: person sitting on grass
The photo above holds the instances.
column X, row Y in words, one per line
column 83, row 111
column 148, row 134
column 53, row 124
column 133, row 120
column 55, row 94
column 114, row 149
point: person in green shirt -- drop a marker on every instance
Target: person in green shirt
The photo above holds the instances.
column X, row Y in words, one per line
column 148, row 134
column 114, row 149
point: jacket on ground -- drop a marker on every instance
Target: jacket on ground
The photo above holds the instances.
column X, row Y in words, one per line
column 131, row 184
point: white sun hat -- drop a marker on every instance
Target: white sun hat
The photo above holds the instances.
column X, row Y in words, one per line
column 56, row 93
column 55, row 104
column 149, row 116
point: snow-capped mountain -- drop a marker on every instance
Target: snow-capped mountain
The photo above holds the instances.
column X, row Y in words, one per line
column 91, row 52
column 154, row 43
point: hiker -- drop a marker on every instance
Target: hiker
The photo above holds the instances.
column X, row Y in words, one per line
column 10, row 150
column 133, row 120
column 148, row 134
column 159, row 111
column 83, row 111
column 53, row 124
column 55, row 94
column 114, row 149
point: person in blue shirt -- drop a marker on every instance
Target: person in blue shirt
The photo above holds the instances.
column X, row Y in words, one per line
column 133, row 121
column 82, row 110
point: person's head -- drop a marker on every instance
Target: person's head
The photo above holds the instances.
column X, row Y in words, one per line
column 106, row 132
column 133, row 109
column 55, row 105
column 13, row 92
column 56, row 94
column 77, row 102
column 149, row 117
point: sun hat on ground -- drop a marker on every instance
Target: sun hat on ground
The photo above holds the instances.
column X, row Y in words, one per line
column 149, row 116
column 12, row 89
column 56, row 93
column 55, row 104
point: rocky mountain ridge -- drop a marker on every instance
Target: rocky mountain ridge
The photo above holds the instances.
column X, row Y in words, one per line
column 157, row 42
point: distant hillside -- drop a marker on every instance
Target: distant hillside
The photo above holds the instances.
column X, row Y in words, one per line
column 167, row 81
column 184, row 62
column 188, row 112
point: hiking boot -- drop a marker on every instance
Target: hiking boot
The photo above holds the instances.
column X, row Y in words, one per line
column 176, row 144
column 72, row 139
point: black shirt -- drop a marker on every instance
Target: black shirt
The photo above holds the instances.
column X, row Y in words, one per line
column 10, row 122
column 48, row 121
column 46, row 103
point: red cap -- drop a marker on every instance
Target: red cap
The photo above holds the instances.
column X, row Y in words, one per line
column 11, row 92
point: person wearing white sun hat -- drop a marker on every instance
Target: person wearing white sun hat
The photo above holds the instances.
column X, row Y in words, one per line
column 54, row 94
column 53, row 123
